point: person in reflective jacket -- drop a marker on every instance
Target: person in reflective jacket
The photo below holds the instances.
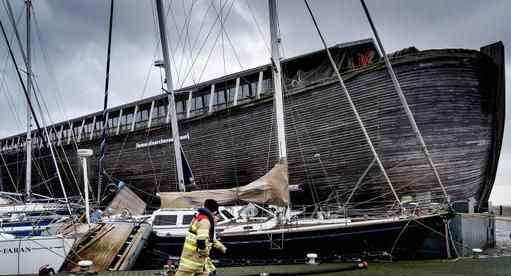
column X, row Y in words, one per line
column 199, row 241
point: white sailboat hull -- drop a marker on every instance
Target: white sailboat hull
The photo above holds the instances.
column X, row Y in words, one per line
column 27, row 255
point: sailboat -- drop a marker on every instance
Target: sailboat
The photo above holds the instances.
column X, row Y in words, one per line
column 339, row 202
column 268, row 230
column 30, row 214
column 26, row 241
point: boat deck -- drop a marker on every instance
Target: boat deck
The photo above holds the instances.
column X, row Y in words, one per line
column 467, row 266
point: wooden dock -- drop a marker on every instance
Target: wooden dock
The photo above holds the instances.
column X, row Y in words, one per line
column 110, row 246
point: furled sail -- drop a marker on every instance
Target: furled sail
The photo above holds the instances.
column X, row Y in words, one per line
column 272, row 188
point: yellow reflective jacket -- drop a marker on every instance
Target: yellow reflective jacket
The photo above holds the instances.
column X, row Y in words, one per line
column 198, row 243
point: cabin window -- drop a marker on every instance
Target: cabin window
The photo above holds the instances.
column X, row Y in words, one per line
column 267, row 86
column 128, row 121
column 206, row 101
column 198, row 103
column 52, row 134
column 187, row 219
column 179, row 107
column 220, row 98
column 76, row 130
column 165, row 220
column 230, row 94
column 114, row 122
column 227, row 214
column 99, row 124
column 87, row 128
column 138, row 116
column 145, row 114
column 185, row 105
column 246, row 91
column 161, row 113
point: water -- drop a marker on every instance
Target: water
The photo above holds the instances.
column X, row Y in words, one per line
column 502, row 235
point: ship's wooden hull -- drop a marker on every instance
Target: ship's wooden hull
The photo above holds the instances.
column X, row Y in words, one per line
column 452, row 94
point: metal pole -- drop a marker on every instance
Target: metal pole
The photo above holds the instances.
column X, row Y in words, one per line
column 105, row 107
column 353, row 108
column 28, row 177
column 84, row 154
column 402, row 97
column 277, row 80
column 278, row 96
column 170, row 90
column 86, row 189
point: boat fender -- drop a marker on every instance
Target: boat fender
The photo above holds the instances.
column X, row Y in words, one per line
column 362, row 265
column 46, row 270
column 85, row 265
column 311, row 258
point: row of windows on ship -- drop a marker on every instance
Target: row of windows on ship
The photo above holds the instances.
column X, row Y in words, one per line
column 153, row 113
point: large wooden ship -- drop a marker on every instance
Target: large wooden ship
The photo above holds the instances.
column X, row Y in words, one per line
column 227, row 130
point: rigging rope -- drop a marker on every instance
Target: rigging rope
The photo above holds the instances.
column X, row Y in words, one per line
column 404, row 102
column 204, row 43
column 266, row 43
column 14, row 24
column 352, row 105
column 33, row 112
column 236, row 56
column 9, row 173
column 21, row 81
column 59, row 97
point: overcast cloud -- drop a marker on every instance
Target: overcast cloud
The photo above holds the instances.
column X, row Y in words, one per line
column 70, row 39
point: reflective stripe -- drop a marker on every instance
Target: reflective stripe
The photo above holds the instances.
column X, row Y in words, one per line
column 190, row 263
column 190, row 247
column 190, row 240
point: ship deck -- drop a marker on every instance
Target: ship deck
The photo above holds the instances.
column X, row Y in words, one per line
column 465, row 266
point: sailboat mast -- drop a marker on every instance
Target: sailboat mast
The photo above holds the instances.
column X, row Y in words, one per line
column 28, row 178
column 277, row 81
column 170, row 91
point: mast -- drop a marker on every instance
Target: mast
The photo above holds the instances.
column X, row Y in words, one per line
column 277, row 81
column 278, row 97
column 170, row 91
column 105, row 108
column 28, row 178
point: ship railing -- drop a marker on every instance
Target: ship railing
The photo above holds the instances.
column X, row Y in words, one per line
column 334, row 211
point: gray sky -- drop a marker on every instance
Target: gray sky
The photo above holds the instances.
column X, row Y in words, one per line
column 70, row 38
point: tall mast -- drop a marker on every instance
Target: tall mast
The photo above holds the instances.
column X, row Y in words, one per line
column 170, row 91
column 277, row 81
column 28, row 178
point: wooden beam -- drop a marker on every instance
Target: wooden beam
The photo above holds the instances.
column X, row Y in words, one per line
column 71, row 133
column 189, row 106
column 260, row 85
column 150, row 115
column 211, row 95
column 134, row 118
column 93, row 127
column 119, row 123
column 59, row 138
column 236, row 91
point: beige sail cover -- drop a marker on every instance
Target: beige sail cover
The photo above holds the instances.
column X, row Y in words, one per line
column 272, row 188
